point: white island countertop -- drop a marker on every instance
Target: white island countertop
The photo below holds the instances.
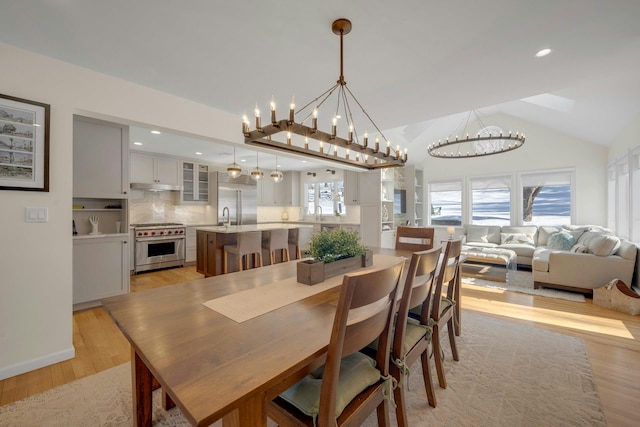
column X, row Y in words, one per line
column 251, row 227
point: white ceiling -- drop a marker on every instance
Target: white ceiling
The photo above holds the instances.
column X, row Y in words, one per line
column 410, row 63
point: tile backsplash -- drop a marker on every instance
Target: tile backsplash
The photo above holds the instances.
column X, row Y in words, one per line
column 164, row 206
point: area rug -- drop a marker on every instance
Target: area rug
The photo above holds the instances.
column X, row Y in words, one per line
column 508, row 375
column 518, row 281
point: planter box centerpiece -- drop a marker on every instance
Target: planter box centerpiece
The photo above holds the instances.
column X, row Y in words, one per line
column 333, row 253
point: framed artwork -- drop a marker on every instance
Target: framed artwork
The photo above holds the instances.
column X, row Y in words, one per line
column 24, row 144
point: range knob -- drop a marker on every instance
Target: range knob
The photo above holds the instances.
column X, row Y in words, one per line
column 169, row 232
column 161, row 233
column 146, row 233
column 153, row 233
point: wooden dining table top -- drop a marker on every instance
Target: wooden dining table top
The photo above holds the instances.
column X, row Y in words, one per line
column 210, row 365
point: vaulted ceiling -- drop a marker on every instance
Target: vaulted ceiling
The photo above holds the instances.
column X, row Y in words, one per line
column 411, row 63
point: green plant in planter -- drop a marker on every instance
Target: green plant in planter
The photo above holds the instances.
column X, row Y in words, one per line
column 329, row 246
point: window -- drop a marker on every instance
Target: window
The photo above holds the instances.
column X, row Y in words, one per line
column 446, row 203
column 491, row 200
column 547, row 198
column 635, row 195
column 325, row 197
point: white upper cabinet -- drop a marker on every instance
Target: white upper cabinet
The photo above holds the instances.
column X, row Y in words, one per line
column 351, row 190
column 285, row 193
column 100, row 159
column 195, row 182
column 149, row 169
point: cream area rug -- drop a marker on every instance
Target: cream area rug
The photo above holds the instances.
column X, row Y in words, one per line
column 508, row 375
column 518, row 281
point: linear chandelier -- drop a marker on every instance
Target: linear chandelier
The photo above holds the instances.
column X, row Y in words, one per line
column 312, row 142
column 488, row 140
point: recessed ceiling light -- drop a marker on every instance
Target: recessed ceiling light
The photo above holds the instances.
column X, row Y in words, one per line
column 304, row 161
column 198, row 153
column 243, row 160
column 156, row 132
column 137, row 143
column 543, row 52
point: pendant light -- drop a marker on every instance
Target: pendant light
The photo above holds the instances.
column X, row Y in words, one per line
column 257, row 174
column 276, row 175
column 234, row 170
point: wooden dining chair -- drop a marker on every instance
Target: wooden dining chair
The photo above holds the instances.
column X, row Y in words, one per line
column 414, row 238
column 248, row 243
column 412, row 337
column 443, row 311
column 350, row 385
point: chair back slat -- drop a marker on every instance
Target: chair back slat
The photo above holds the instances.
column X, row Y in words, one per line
column 446, row 275
column 414, row 238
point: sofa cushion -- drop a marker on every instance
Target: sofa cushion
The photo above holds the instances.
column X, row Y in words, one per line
column 521, row 250
column 600, row 243
column 476, row 233
column 515, row 238
column 543, row 234
column 541, row 260
column 576, row 230
column 562, row 240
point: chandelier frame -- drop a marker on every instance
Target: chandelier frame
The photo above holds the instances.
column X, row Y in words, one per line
column 365, row 156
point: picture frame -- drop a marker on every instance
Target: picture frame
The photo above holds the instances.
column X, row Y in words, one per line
column 24, row 144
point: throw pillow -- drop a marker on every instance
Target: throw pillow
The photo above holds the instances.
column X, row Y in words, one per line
column 516, row 238
column 562, row 240
column 600, row 244
column 477, row 234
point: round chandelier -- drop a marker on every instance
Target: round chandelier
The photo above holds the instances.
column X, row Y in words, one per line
column 487, row 141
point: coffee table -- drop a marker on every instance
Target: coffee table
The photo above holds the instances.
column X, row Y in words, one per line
column 491, row 256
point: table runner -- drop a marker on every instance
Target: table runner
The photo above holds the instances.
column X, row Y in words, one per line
column 246, row 305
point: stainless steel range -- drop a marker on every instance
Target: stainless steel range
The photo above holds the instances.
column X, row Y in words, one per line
column 159, row 245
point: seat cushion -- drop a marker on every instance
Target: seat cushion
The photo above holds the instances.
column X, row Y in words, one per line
column 357, row 372
column 414, row 333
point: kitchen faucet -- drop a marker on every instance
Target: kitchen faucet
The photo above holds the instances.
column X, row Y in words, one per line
column 228, row 215
column 316, row 212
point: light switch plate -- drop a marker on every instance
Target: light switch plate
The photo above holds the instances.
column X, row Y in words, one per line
column 37, row 215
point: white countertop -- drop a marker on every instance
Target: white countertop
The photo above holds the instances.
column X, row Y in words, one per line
column 250, row 227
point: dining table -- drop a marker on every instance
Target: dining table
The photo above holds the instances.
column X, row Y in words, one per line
column 218, row 350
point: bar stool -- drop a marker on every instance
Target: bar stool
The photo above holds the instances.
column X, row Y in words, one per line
column 248, row 243
column 299, row 238
column 277, row 240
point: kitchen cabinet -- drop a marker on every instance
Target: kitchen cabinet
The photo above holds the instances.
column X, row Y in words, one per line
column 191, row 245
column 350, row 227
column 150, row 169
column 100, row 269
column 388, row 239
column 195, row 182
column 284, row 193
column 351, row 190
column 100, row 185
column 100, row 158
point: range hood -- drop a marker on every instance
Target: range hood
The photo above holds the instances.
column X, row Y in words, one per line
column 154, row 186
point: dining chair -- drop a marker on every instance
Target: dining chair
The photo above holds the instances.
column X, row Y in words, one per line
column 350, row 385
column 248, row 243
column 412, row 337
column 414, row 238
column 444, row 311
column 277, row 240
column 300, row 238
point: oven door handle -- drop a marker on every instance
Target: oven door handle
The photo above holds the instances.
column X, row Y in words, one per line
column 159, row 239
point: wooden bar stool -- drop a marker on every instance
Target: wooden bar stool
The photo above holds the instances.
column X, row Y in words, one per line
column 278, row 240
column 299, row 238
column 248, row 243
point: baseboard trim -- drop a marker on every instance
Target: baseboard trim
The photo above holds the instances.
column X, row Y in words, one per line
column 40, row 362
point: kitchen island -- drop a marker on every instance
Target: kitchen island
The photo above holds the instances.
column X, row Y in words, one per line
column 211, row 240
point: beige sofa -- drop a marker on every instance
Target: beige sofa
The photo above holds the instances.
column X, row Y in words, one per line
column 595, row 258
column 578, row 258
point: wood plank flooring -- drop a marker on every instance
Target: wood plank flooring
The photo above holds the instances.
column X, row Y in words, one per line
column 612, row 340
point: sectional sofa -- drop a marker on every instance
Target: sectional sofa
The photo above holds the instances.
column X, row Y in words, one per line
column 577, row 258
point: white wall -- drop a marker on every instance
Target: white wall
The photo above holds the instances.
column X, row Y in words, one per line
column 543, row 149
column 36, row 259
column 629, row 138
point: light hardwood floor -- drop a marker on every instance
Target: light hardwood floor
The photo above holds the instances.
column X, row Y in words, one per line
column 612, row 340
